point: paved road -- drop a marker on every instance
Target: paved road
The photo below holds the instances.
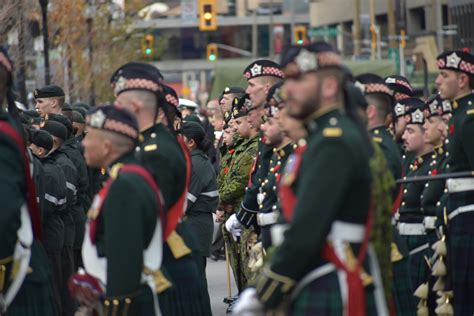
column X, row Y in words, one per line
column 217, row 284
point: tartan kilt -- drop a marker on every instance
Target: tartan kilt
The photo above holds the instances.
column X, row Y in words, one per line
column 402, row 289
column 461, row 254
column 417, row 266
column 188, row 294
column 323, row 297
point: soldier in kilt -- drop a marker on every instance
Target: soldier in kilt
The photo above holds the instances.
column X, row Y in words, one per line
column 455, row 82
column 308, row 275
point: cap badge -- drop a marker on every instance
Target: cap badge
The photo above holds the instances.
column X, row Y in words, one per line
column 417, row 116
column 306, row 61
column 453, row 60
column 97, row 119
column 120, row 84
column 399, row 109
column 256, row 70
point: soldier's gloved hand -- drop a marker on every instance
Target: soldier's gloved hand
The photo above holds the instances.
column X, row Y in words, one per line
column 248, row 304
column 233, row 226
column 272, row 288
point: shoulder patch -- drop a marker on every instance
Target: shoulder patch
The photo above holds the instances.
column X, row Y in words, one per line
column 332, row 132
column 377, row 139
column 150, row 147
column 470, row 112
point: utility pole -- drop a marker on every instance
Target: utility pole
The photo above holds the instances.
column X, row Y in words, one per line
column 391, row 24
column 356, row 28
column 373, row 30
column 292, row 21
column 21, row 78
column 439, row 26
column 44, row 14
column 270, row 32
column 254, row 35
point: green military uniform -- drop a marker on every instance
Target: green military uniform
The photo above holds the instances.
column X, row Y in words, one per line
column 230, row 195
column 35, row 296
column 460, row 151
column 382, row 136
column 203, row 197
column 129, row 205
column 162, row 155
column 334, row 183
column 268, row 195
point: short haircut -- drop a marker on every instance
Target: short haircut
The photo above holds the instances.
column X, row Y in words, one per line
column 382, row 103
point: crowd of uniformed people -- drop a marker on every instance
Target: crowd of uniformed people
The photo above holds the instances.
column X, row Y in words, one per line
column 327, row 193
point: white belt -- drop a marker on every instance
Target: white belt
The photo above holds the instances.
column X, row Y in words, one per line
column 313, row 275
column 345, row 231
column 265, row 219
column 460, row 185
column 460, row 210
column 276, row 232
column 429, row 222
column 411, row 229
column 419, row 248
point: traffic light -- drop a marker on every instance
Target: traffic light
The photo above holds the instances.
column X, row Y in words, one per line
column 207, row 15
column 212, row 52
column 148, row 46
column 403, row 40
column 300, row 34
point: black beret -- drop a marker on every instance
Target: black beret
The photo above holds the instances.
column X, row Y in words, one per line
column 48, row 92
column 311, row 57
column 111, row 118
column 402, row 107
column 28, row 116
column 81, row 110
column 56, row 129
column 228, row 90
column 41, row 138
column 66, row 107
column 263, row 67
column 193, row 118
column 435, row 106
column 355, row 96
column 171, row 97
column 400, row 86
column 77, row 117
column 456, row 60
column 63, row 120
column 193, row 130
column 370, row 83
column 81, row 105
column 241, row 106
column 274, row 93
column 136, row 76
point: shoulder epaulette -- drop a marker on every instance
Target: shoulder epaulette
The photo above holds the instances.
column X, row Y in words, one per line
column 332, row 132
column 470, row 112
column 150, row 147
column 377, row 139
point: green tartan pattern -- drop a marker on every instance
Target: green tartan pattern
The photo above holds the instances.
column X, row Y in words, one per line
column 323, row 297
column 402, row 289
column 460, row 263
column 418, row 267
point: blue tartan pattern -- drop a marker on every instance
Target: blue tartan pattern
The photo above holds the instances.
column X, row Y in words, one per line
column 461, row 254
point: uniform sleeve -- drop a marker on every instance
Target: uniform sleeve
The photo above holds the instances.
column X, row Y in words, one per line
column 232, row 190
column 123, row 215
column 83, row 182
column 196, row 185
column 320, row 192
column 467, row 133
column 11, row 197
column 54, row 192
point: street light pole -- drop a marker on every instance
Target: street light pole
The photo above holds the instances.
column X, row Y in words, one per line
column 44, row 14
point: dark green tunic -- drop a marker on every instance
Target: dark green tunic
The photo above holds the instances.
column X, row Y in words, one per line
column 161, row 154
column 333, row 183
column 125, row 228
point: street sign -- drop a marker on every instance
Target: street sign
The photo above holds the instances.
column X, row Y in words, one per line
column 323, row 31
column 188, row 10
